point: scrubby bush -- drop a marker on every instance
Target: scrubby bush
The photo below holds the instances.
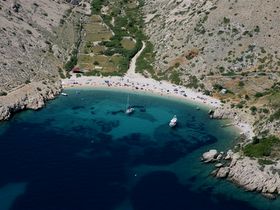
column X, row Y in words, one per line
column 261, row 147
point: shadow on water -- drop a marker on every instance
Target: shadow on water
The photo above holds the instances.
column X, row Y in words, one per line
column 78, row 107
column 106, row 126
column 161, row 190
column 56, row 177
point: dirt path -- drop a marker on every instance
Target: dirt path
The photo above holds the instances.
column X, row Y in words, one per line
column 132, row 66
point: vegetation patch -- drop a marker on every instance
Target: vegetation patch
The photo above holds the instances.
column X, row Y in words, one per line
column 146, row 59
column 113, row 35
column 128, row 43
column 264, row 147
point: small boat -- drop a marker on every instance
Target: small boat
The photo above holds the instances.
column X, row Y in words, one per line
column 129, row 109
column 64, row 94
column 173, row 121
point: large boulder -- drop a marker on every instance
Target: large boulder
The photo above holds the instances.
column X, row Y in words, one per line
column 229, row 155
column 222, row 172
column 209, row 156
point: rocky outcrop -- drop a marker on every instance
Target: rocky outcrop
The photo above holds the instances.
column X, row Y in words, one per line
column 36, row 39
column 222, row 172
column 31, row 96
column 222, row 113
column 249, row 174
column 209, row 156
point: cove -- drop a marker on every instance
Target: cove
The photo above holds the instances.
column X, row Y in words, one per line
column 83, row 152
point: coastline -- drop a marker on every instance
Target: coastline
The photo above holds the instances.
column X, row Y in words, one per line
column 141, row 85
column 137, row 83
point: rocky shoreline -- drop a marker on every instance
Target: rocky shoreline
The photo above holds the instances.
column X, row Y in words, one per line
column 30, row 96
column 245, row 172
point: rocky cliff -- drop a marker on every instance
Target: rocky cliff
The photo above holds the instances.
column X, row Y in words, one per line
column 250, row 175
column 245, row 172
column 36, row 38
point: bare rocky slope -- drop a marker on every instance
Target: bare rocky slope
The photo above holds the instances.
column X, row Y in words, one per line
column 215, row 45
column 36, row 38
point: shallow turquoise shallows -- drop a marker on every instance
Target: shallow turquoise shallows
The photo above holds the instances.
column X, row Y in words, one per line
column 82, row 152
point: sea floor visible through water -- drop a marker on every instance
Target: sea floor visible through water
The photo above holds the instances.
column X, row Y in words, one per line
column 83, row 152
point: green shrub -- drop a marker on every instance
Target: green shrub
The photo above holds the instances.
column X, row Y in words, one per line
column 3, row 93
column 261, row 148
column 28, row 31
column 253, row 109
column 175, row 77
column 71, row 63
column 258, row 95
column 265, row 162
column 241, row 84
column 96, row 6
column 218, row 87
column 275, row 115
column 193, row 82
column 226, row 20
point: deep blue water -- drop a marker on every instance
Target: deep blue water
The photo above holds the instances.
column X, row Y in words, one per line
column 83, row 152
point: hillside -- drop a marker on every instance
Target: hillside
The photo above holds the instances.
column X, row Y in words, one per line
column 215, row 45
column 36, row 38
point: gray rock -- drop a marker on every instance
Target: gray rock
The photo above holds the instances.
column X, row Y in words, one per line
column 229, row 155
column 218, row 165
column 220, row 156
column 31, row 96
column 248, row 174
column 209, row 156
column 222, row 172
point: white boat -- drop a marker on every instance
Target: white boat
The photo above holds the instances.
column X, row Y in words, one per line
column 173, row 121
column 64, row 94
column 129, row 109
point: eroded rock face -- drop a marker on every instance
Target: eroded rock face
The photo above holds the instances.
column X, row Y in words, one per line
column 222, row 172
column 248, row 174
column 33, row 48
column 32, row 96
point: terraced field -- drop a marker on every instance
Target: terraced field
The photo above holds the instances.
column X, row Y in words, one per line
column 91, row 56
column 111, row 36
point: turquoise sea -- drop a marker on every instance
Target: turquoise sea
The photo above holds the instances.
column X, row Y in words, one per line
column 82, row 152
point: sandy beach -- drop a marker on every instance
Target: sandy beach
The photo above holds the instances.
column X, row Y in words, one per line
column 162, row 88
